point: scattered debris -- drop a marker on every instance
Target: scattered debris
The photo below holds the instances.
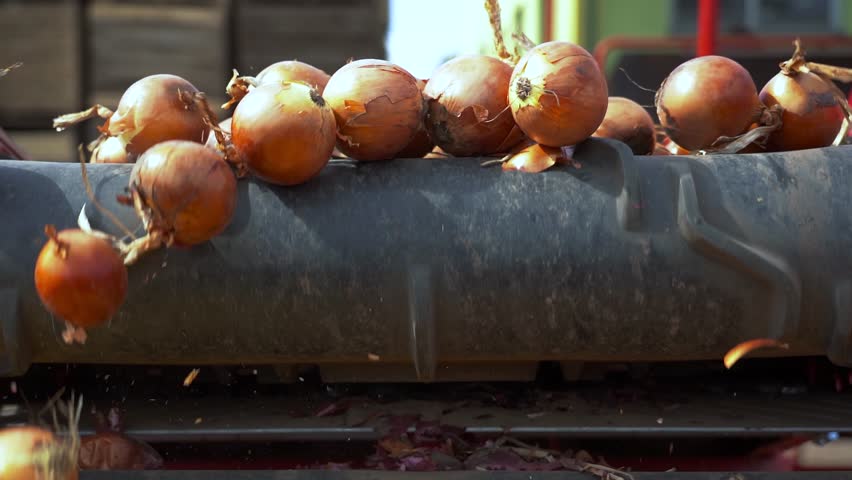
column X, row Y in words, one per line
column 191, row 377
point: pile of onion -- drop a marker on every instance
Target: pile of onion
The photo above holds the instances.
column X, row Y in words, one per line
column 284, row 133
column 81, row 279
column 558, row 94
column 154, row 109
column 421, row 144
column 705, row 99
column 279, row 72
column 468, row 111
column 184, row 192
column 378, row 107
column 628, row 122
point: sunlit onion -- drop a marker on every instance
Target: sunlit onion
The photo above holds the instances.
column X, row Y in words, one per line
column 378, row 107
column 558, row 94
column 285, row 133
column 811, row 118
column 706, row 98
column 468, row 112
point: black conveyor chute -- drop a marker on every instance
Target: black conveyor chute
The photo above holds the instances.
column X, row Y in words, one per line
column 444, row 270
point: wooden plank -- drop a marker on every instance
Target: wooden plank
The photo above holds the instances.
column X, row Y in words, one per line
column 131, row 39
column 324, row 33
column 44, row 35
column 47, row 145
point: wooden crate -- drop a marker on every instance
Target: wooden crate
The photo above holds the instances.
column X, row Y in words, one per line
column 130, row 39
column 324, row 33
column 45, row 36
column 46, row 145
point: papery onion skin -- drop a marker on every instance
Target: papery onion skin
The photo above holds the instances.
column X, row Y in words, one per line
column 468, row 111
column 189, row 189
column 706, row 98
column 86, row 287
column 558, row 94
column 378, row 107
column 294, row 71
column 225, row 125
column 112, row 150
column 812, row 117
column 628, row 122
column 152, row 111
column 422, row 143
column 17, row 448
column 285, row 133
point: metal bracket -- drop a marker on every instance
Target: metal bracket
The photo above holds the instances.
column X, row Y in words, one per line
column 782, row 279
column 422, row 323
column 14, row 354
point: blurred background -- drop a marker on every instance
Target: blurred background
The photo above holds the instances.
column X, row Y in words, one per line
column 80, row 52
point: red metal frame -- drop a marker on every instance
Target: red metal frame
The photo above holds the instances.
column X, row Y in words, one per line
column 724, row 43
column 708, row 27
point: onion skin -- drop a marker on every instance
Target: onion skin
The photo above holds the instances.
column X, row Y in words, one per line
column 86, row 287
column 378, row 107
column 285, row 133
column 225, row 125
column 468, row 108
column 422, row 143
column 187, row 191
column 17, row 446
column 811, row 118
column 112, row 150
column 152, row 111
column 706, row 98
column 294, row 71
column 558, row 94
column 628, row 122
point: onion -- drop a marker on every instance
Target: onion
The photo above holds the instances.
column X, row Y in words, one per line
column 294, row 71
column 81, row 279
column 812, row 117
column 284, row 133
column 34, row 453
column 468, row 112
column 154, row 109
column 558, row 94
column 280, row 72
column 628, row 122
column 421, row 144
column 707, row 98
column 117, row 451
column 378, row 107
column 185, row 194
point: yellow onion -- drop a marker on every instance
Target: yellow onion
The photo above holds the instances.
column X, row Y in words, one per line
column 468, row 111
column 628, row 122
column 294, row 71
column 284, row 133
column 558, row 95
column 706, row 98
column 153, row 110
column 378, row 107
column 811, row 118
